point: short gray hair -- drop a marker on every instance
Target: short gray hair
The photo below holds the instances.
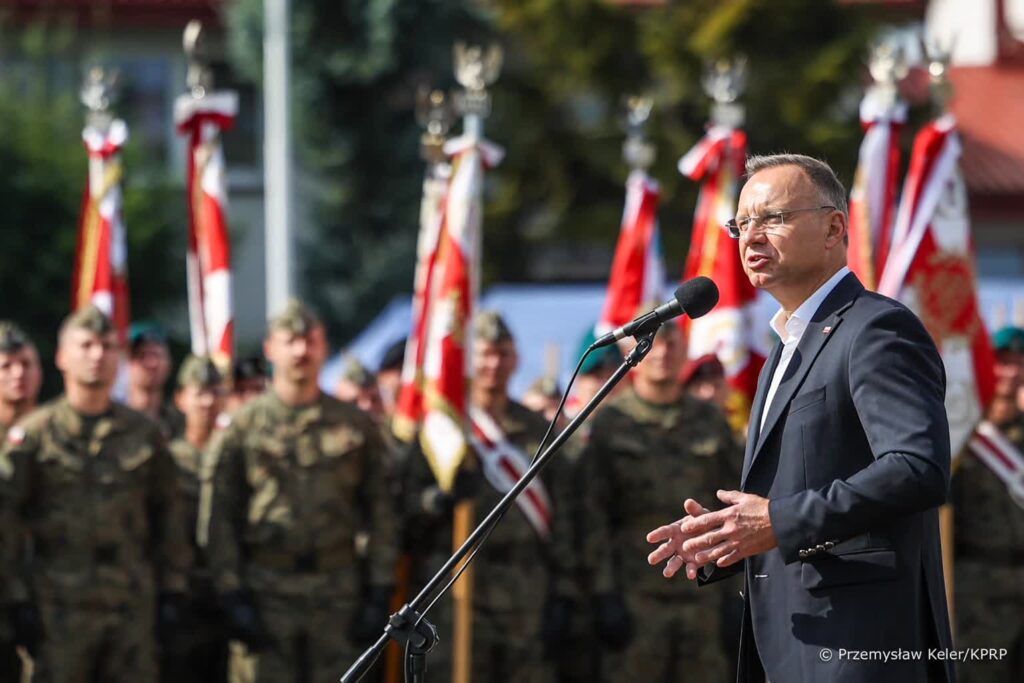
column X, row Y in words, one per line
column 818, row 172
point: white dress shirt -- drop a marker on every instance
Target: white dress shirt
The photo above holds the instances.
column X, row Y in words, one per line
column 791, row 330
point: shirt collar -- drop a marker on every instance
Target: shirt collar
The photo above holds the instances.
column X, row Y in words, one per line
column 793, row 328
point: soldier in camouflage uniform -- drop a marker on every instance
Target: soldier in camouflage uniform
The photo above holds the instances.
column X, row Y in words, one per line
column 988, row 537
column 149, row 366
column 87, row 480
column 287, row 485
column 512, row 571
column 358, row 386
column 21, row 376
column 201, row 656
column 650, row 449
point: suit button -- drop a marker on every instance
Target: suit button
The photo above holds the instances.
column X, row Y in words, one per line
column 802, row 554
column 820, row 548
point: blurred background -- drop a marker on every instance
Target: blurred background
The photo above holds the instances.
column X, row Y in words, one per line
column 553, row 207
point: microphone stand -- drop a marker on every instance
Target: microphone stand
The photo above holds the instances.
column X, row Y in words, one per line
column 408, row 626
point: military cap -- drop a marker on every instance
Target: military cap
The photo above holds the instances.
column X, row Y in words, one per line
column 356, row 373
column 12, row 338
column 91, row 319
column 546, row 386
column 145, row 332
column 489, row 326
column 1009, row 339
column 251, row 367
column 393, row 357
column 697, row 369
column 199, row 371
column 296, row 318
column 607, row 357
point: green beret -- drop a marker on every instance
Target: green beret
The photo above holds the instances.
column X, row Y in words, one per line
column 12, row 338
column 599, row 359
column 296, row 318
column 356, row 373
column 145, row 332
column 90, row 319
column 489, row 326
column 199, row 371
column 1009, row 339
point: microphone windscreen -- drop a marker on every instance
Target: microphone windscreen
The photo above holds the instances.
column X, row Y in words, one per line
column 697, row 296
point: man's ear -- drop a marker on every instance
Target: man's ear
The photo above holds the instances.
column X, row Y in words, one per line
column 837, row 230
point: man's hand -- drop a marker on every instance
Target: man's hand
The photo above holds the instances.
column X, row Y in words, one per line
column 729, row 535
column 672, row 539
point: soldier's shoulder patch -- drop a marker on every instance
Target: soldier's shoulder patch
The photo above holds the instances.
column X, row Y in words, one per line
column 704, row 447
column 16, row 435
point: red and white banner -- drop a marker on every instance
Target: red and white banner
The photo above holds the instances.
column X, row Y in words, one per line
column 717, row 162
column 930, row 268
column 504, row 464
column 452, row 303
column 1000, row 455
column 409, row 409
column 875, row 184
column 638, row 270
column 208, row 260
column 101, row 259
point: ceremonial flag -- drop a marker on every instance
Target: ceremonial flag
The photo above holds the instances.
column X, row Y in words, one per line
column 208, row 259
column 717, row 162
column 409, row 409
column 101, row 258
column 930, row 268
column 450, row 307
column 638, row 271
column 873, row 195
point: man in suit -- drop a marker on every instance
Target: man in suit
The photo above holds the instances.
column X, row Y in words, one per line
column 835, row 525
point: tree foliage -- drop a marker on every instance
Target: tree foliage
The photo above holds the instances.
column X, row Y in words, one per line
column 558, row 110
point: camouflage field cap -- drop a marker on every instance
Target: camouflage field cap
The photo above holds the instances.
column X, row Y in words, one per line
column 296, row 318
column 199, row 371
column 356, row 373
column 12, row 338
column 546, row 386
column 90, row 319
column 1009, row 339
column 489, row 326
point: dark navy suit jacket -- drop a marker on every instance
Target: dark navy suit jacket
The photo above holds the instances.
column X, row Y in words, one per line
column 854, row 458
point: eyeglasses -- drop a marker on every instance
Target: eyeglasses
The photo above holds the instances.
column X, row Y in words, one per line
column 739, row 226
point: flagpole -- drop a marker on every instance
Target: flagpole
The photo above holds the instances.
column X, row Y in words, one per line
column 475, row 69
column 277, row 161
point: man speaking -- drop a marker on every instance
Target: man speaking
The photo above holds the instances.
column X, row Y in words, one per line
column 835, row 522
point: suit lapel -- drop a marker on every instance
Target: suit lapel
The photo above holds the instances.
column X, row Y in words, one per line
column 819, row 330
column 765, row 378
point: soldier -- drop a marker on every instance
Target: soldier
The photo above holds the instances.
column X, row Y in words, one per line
column 511, row 571
column 85, row 479
column 389, row 377
column 202, row 657
column 650, row 448
column 543, row 396
column 249, row 380
column 287, row 486
column 358, row 385
column 988, row 536
column 21, row 376
column 149, row 366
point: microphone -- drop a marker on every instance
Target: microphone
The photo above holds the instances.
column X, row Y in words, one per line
column 693, row 298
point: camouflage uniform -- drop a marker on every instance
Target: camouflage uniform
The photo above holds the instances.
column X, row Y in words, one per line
column 286, row 490
column 643, row 461
column 511, row 572
column 989, row 567
column 10, row 664
column 106, row 534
